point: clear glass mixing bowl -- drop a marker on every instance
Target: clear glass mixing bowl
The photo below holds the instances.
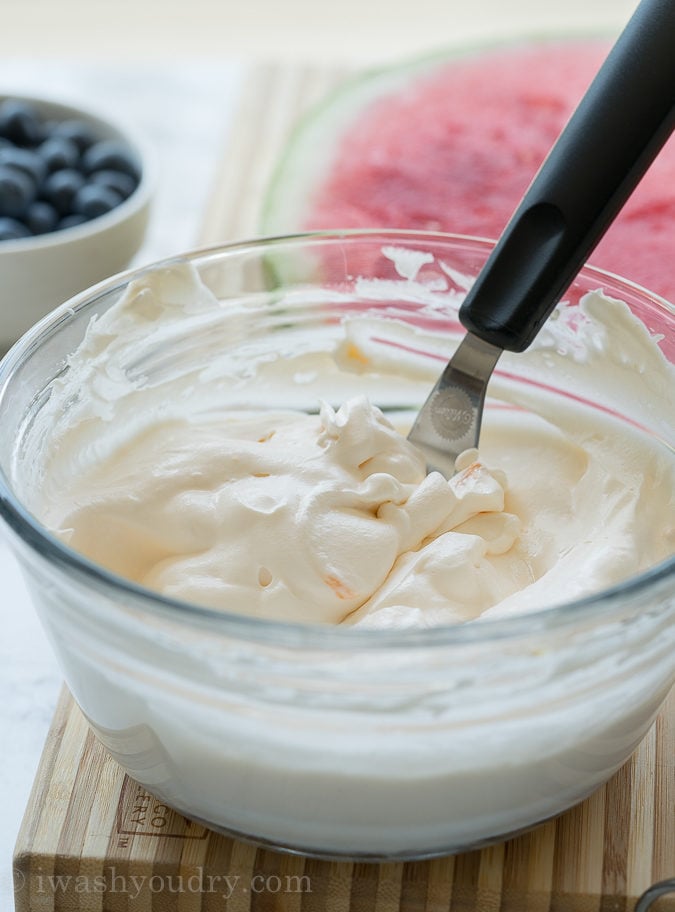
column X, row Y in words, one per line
column 340, row 742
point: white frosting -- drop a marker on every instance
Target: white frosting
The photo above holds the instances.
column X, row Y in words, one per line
column 331, row 517
column 174, row 450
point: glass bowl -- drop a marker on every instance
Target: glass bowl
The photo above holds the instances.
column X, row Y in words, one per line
column 340, row 741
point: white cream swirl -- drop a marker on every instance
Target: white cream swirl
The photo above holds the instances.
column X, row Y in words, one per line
column 295, row 517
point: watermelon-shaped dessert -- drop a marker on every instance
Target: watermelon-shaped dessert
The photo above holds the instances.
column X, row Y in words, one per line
column 451, row 144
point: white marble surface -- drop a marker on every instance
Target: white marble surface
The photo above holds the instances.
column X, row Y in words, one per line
column 184, row 113
column 292, row 30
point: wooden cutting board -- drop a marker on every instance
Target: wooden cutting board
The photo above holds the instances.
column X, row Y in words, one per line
column 92, row 840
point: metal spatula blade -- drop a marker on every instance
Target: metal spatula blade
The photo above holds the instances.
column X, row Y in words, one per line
column 449, row 422
column 615, row 133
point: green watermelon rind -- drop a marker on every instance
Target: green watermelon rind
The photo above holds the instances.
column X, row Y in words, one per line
column 300, row 169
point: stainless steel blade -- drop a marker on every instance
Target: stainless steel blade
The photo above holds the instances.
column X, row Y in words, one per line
column 449, row 421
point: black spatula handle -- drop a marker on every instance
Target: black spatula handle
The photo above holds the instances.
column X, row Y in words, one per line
column 617, row 130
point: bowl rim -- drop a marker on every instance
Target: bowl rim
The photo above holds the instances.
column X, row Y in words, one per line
column 289, row 633
column 134, row 203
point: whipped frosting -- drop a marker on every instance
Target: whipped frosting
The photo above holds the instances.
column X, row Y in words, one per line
column 330, row 517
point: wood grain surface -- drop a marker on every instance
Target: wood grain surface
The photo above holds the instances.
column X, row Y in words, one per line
column 95, row 841
column 274, row 99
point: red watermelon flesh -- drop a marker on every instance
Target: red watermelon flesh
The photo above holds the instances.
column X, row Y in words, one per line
column 455, row 149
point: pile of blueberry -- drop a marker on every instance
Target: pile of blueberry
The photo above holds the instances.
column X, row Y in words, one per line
column 54, row 175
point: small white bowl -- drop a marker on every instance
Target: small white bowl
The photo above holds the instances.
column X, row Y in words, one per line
column 39, row 273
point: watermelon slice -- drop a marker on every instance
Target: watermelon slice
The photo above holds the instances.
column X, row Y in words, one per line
column 451, row 144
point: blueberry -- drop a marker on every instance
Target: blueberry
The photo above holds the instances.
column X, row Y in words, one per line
column 41, row 217
column 11, row 229
column 60, row 188
column 58, row 152
column 17, row 191
column 94, row 199
column 20, row 122
column 72, row 220
column 123, row 184
column 24, row 160
column 76, row 131
column 110, row 155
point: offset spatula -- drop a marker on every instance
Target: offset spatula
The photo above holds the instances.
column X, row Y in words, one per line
column 615, row 133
